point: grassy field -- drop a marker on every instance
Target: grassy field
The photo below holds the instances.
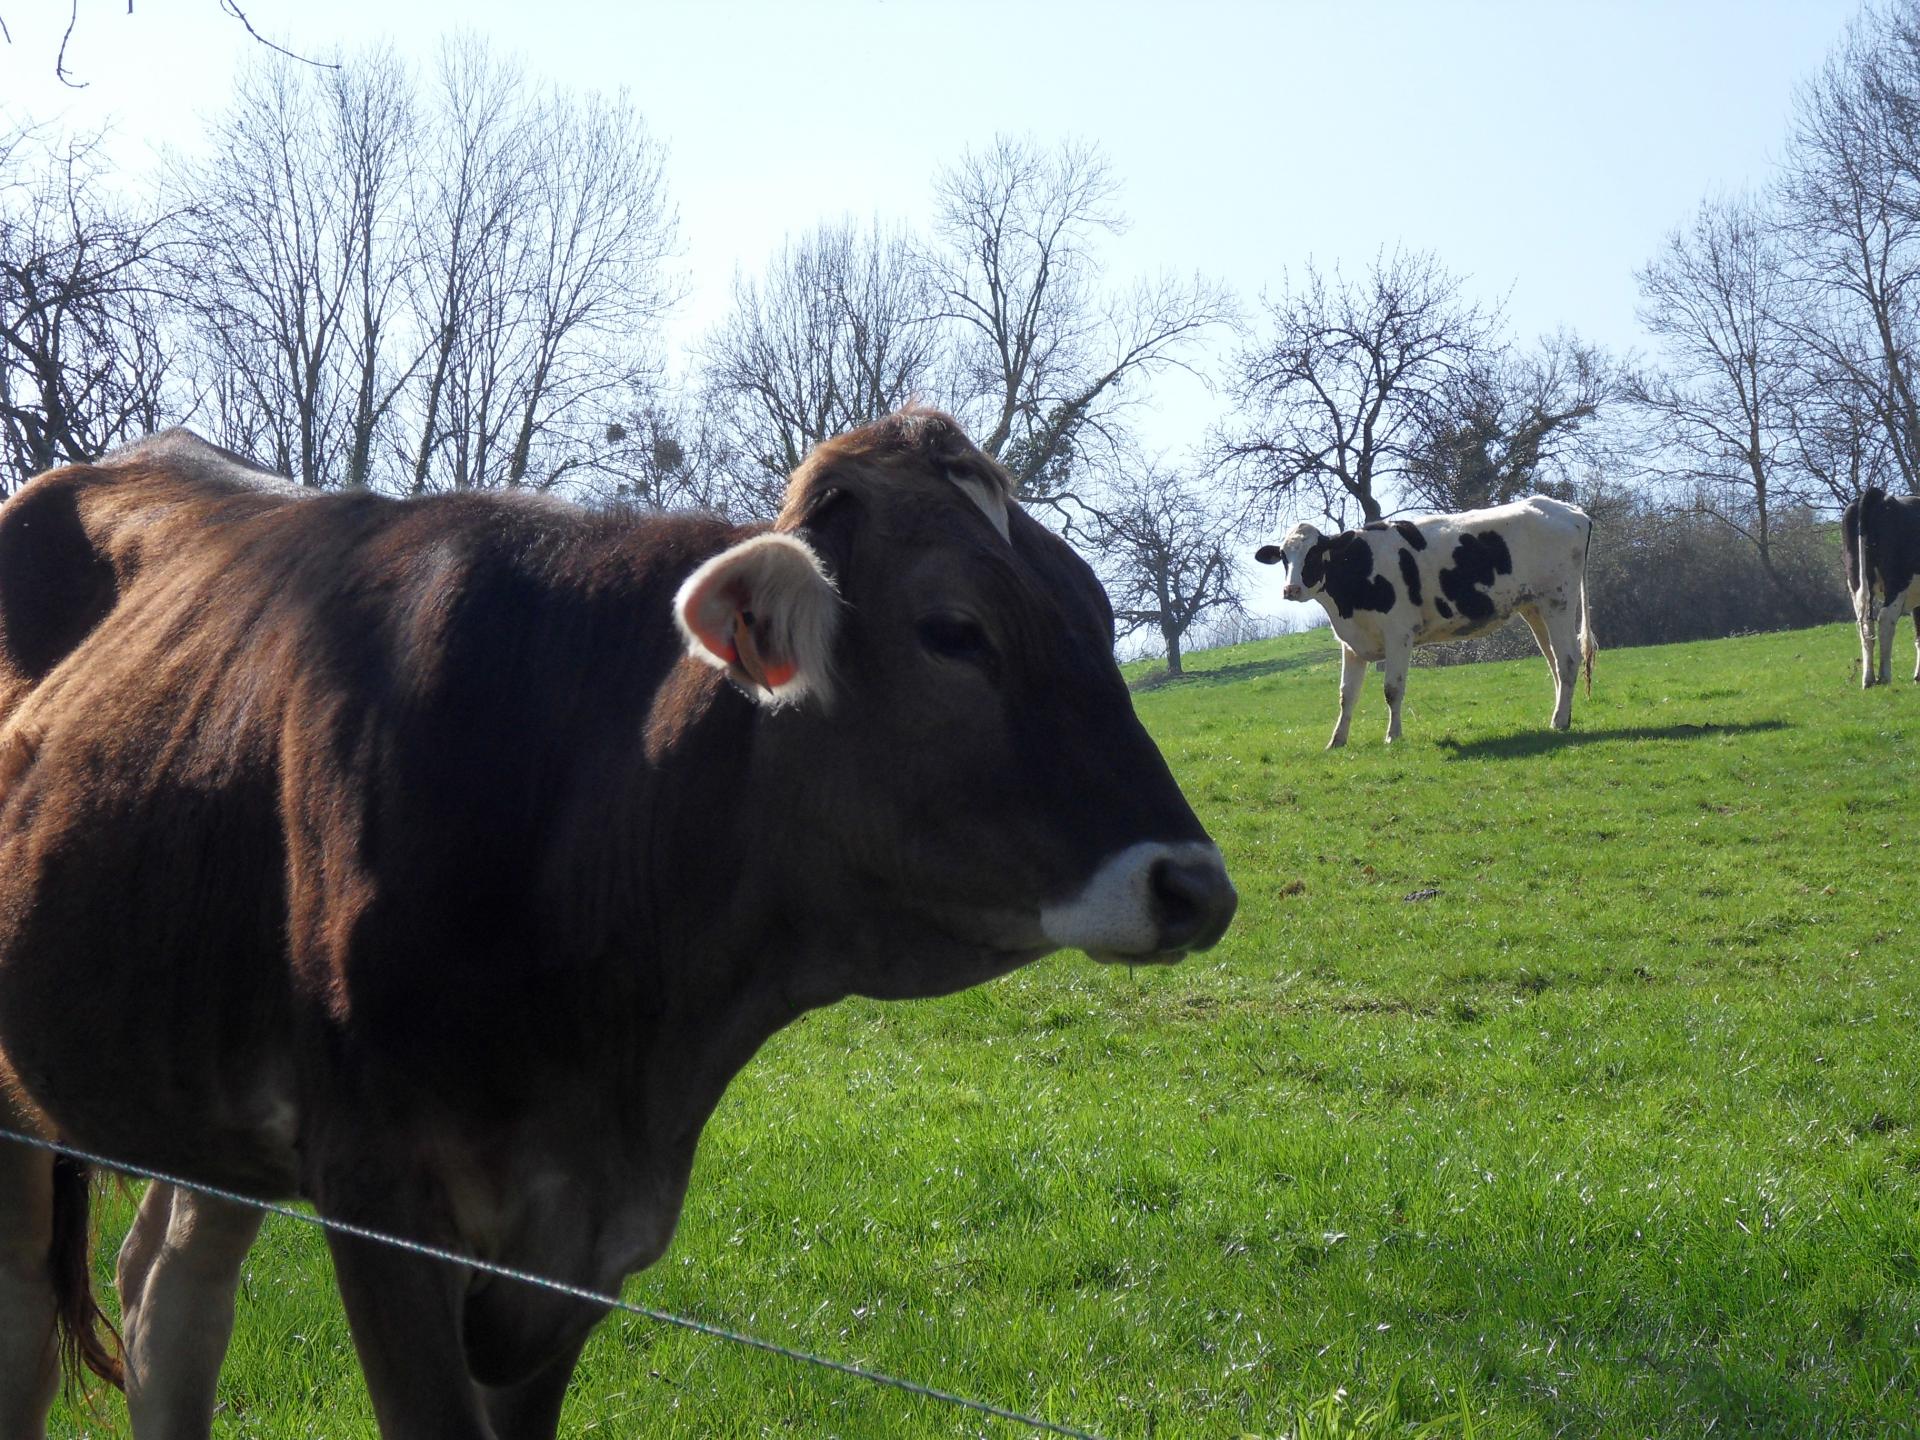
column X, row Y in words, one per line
column 1545, row 1086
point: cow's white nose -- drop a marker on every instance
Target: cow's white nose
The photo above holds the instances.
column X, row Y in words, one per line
column 1151, row 901
column 1291, row 592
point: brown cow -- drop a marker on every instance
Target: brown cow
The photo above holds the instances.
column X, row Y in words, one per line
column 404, row 856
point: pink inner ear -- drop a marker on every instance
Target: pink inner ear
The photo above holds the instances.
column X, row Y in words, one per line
column 766, row 670
column 719, row 616
column 713, row 618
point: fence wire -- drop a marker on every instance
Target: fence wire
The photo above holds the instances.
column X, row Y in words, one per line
column 558, row 1287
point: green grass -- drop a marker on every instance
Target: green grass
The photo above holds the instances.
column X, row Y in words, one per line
column 1612, row 1135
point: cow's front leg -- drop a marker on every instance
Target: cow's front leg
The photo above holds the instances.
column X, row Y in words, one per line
column 1399, row 651
column 530, row 1410
column 1889, row 622
column 178, row 1270
column 1864, row 617
column 404, row 1313
column 1353, row 674
column 1916, row 644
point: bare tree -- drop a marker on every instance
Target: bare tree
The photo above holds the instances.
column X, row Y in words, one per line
column 1510, row 424
column 1045, row 357
column 1721, row 410
column 83, row 360
column 445, row 291
column 840, row 330
column 542, row 250
column 597, row 284
column 1162, row 541
column 1850, row 223
column 377, row 136
column 1839, row 441
column 667, row 452
column 1334, row 398
column 1002, row 316
column 288, row 264
column 462, row 216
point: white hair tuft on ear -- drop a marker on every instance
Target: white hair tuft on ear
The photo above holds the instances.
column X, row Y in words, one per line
column 765, row 612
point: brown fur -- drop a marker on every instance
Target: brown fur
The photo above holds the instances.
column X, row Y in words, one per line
column 394, row 855
column 928, row 437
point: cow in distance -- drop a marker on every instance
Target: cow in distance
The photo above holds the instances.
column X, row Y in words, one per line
column 1881, row 535
column 440, row 861
column 1390, row 586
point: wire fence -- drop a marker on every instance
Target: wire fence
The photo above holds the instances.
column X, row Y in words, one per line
column 558, row 1287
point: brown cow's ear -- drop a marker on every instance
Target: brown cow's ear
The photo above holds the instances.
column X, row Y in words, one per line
column 766, row 613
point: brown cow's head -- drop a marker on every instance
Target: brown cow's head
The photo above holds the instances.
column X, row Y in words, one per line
column 949, row 744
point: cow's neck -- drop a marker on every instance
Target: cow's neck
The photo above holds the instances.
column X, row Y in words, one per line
column 721, row 968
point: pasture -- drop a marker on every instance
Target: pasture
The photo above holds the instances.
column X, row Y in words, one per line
column 1546, row 1085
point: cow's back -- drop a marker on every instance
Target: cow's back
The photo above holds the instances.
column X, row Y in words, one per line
column 1533, row 522
column 1469, row 572
column 73, row 537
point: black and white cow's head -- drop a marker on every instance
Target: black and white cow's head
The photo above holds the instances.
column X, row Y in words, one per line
column 1292, row 552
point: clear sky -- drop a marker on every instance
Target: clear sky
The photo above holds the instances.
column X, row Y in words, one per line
column 1541, row 149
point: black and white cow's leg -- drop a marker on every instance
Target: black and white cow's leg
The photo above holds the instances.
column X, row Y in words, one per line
column 1562, row 648
column 1889, row 622
column 1353, row 674
column 1864, row 619
column 1866, row 654
column 1915, row 612
column 1536, row 622
column 1556, row 632
column 177, row 1273
column 1399, row 651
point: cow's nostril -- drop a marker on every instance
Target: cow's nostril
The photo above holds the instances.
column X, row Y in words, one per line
column 1175, row 905
column 1193, row 902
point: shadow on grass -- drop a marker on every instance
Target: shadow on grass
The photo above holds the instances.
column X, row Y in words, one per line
column 1227, row 674
column 1538, row 742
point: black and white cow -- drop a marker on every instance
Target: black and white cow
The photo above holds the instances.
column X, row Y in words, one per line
column 1393, row 585
column 1882, row 535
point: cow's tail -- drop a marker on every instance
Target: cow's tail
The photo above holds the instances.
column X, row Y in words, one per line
column 87, row 1338
column 1587, row 644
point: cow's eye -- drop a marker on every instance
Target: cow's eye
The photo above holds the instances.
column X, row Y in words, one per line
column 956, row 637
